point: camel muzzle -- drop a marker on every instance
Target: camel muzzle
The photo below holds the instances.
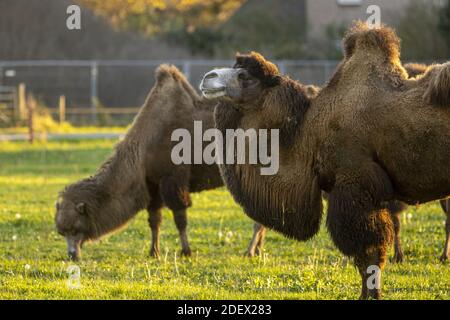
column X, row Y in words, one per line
column 214, row 83
column 73, row 248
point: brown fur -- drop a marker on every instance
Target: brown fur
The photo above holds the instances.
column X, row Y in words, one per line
column 415, row 69
column 258, row 67
column 367, row 138
column 399, row 141
column 140, row 174
column 280, row 202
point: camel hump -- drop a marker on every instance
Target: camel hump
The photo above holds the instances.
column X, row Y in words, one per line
column 438, row 91
column 361, row 37
column 169, row 73
column 415, row 69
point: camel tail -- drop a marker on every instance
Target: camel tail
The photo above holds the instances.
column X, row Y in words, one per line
column 438, row 91
column 168, row 72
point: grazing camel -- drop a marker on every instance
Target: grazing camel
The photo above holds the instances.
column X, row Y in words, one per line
column 370, row 136
column 140, row 174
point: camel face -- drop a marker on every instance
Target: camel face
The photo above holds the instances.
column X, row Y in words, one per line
column 71, row 222
column 234, row 83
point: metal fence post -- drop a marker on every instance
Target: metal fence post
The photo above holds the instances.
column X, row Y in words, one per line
column 326, row 71
column 282, row 67
column 94, row 89
column 187, row 70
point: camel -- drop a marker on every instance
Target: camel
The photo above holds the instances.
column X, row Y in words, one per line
column 370, row 136
column 103, row 203
column 140, row 174
column 395, row 208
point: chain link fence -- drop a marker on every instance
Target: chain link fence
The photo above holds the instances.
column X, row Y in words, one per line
column 110, row 92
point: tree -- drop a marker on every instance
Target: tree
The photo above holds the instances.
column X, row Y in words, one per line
column 418, row 29
column 153, row 17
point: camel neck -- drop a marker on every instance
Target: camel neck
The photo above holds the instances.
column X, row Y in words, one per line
column 289, row 201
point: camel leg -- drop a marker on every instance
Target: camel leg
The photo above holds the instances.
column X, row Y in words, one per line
column 365, row 236
column 398, row 254
column 395, row 209
column 255, row 245
column 180, row 217
column 155, row 218
column 446, row 253
column 175, row 194
column 260, row 244
column 359, row 224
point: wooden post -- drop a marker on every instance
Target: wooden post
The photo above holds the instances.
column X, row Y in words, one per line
column 22, row 102
column 31, row 105
column 62, row 109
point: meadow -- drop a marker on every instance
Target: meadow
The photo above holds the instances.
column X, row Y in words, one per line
column 33, row 262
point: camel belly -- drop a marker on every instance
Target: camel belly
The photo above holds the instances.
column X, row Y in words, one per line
column 419, row 176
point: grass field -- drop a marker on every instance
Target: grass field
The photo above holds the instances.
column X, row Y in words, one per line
column 33, row 262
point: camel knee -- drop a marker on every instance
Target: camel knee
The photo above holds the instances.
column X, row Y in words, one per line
column 356, row 234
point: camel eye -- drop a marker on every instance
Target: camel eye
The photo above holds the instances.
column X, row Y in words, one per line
column 243, row 76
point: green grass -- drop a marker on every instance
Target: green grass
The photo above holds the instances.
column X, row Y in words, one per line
column 66, row 128
column 33, row 261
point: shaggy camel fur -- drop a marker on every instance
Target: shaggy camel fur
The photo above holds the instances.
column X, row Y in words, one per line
column 140, row 174
column 370, row 136
column 395, row 208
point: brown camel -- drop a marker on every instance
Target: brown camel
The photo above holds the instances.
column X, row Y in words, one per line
column 395, row 208
column 103, row 203
column 140, row 174
column 370, row 136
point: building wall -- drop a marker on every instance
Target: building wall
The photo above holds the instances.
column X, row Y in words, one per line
column 321, row 13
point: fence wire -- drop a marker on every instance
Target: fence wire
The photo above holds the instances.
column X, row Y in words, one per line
column 122, row 83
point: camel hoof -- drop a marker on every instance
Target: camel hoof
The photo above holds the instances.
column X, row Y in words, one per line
column 249, row 254
column 444, row 258
column 154, row 253
column 398, row 258
column 371, row 295
column 186, row 252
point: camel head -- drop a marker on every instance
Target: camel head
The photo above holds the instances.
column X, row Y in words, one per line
column 246, row 82
column 72, row 222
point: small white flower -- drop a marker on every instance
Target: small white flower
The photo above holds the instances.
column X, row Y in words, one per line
column 18, row 216
column 220, row 234
column 14, row 237
column 229, row 234
column 409, row 216
column 27, row 267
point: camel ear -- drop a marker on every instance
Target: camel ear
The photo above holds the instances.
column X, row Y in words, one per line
column 81, row 208
column 259, row 67
column 348, row 44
